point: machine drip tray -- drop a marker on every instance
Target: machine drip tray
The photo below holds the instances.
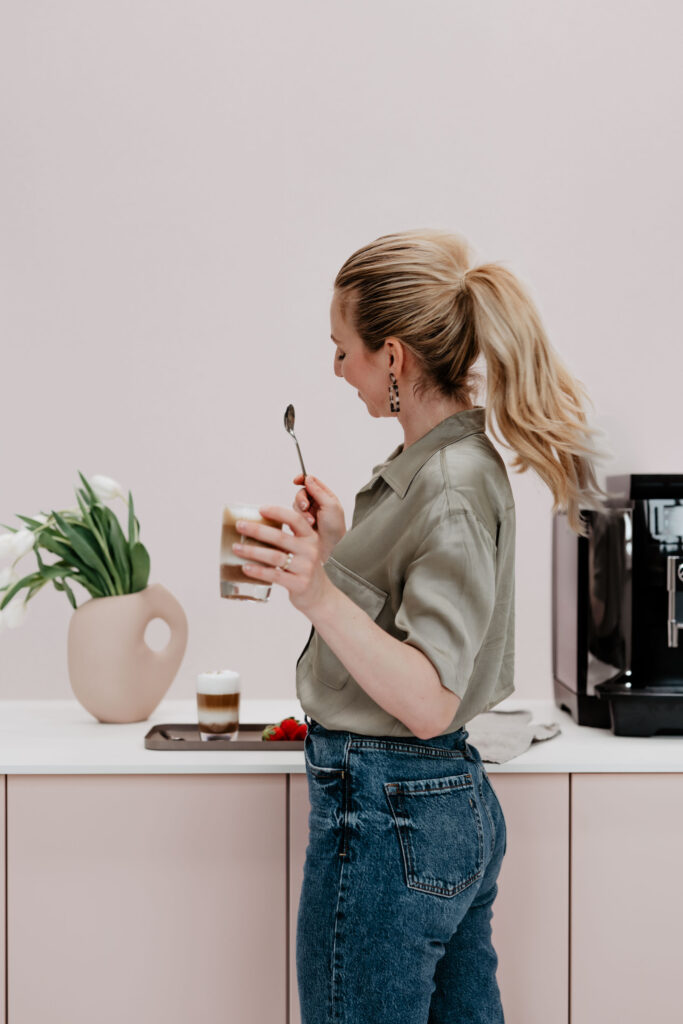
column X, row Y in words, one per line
column 643, row 710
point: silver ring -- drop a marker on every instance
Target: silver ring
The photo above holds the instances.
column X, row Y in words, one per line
column 287, row 562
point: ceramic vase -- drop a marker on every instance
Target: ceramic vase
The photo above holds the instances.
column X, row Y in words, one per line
column 114, row 674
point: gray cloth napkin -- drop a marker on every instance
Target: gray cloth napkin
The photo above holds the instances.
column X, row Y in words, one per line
column 501, row 735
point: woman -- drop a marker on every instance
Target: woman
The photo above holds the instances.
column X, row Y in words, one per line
column 412, row 612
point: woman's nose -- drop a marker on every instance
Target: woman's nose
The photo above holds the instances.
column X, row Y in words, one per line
column 337, row 368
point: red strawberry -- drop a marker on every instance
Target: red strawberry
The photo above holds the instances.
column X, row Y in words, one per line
column 289, row 726
column 278, row 734
column 300, row 733
column 267, row 733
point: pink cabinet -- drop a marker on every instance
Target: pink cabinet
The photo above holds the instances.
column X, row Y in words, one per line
column 531, row 912
column 3, row 786
column 174, row 897
column 298, row 840
column 626, row 898
column 147, row 898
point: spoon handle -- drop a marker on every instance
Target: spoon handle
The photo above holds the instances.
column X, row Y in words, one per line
column 303, row 468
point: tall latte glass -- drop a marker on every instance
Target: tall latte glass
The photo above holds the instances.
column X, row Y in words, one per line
column 233, row 581
column 218, row 704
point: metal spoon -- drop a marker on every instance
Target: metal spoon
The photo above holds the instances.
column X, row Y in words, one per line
column 289, row 427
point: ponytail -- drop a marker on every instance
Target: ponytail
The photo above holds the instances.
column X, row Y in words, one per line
column 536, row 403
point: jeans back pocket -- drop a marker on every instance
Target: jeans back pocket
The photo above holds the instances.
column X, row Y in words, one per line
column 439, row 831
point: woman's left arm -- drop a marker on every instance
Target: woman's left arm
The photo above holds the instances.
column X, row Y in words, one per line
column 397, row 676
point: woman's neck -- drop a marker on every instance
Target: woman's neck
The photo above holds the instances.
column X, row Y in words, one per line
column 421, row 417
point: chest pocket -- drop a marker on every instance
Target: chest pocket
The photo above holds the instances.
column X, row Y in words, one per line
column 326, row 666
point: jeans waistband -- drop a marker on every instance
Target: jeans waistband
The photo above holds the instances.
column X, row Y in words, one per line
column 456, row 740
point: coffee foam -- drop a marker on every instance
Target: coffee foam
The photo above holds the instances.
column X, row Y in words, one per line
column 222, row 681
column 241, row 511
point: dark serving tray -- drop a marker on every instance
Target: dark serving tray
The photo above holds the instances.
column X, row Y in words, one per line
column 185, row 736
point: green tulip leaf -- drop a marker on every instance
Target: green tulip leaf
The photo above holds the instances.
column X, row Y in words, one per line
column 34, row 588
column 69, row 593
column 140, row 563
column 83, row 544
column 92, row 497
column 31, row 522
column 81, row 498
column 133, row 524
column 51, row 572
column 119, row 547
column 19, row 585
column 101, row 520
column 58, row 546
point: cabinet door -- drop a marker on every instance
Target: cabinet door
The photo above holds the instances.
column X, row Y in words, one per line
column 145, row 898
column 299, row 807
column 3, row 902
column 531, row 912
column 626, row 897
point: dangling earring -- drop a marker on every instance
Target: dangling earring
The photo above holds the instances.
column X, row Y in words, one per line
column 393, row 394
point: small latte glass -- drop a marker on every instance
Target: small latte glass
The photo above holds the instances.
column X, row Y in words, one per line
column 234, row 582
column 218, row 704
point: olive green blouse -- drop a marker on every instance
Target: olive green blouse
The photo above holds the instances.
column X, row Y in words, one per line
column 430, row 556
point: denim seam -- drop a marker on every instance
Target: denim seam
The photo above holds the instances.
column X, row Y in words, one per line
column 324, row 773
column 335, row 974
column 409, row 748
column 406, row 864
column 346, row 775
column 488, row 813
column 431, row 786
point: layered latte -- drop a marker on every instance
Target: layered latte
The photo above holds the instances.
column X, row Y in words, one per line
column 218, row 704
column 233, row 581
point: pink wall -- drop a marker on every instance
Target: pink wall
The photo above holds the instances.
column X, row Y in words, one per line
column 178, row 188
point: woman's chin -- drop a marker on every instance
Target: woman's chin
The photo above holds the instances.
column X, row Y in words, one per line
column 372, row 411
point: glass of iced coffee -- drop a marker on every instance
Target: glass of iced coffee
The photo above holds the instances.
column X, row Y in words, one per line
column 233, row 582
column 218, row 704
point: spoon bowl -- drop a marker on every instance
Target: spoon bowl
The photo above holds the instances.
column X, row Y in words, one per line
column 289, row 427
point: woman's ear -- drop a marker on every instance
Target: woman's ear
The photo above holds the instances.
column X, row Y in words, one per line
column 396, row 354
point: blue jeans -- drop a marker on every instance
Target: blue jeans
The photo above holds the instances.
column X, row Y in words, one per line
column 406, row 840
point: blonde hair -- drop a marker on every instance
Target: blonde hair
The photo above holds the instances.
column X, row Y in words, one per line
column 418, row 286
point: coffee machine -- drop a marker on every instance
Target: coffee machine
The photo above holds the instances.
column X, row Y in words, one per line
column 617, row 609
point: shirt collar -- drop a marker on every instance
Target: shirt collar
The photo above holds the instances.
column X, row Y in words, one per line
column 402, row 466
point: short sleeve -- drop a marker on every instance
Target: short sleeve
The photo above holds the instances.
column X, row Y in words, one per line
column 448, row 597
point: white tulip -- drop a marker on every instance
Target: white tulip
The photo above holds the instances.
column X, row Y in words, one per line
column 15, row 612
column 105, row 488
column 15, row 545
column 8, row 576
column 6, row 544
column 24, row 540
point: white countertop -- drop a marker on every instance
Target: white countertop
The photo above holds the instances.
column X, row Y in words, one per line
column 59, row 737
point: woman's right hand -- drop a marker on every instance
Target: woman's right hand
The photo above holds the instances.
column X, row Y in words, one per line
column 322, row 509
